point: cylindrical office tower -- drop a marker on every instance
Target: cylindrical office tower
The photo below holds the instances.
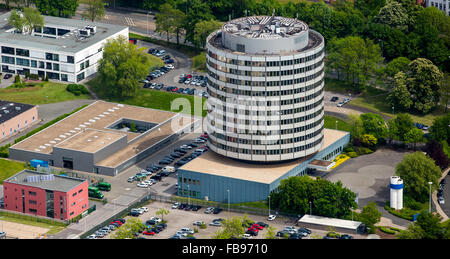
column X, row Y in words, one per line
column 265, row 85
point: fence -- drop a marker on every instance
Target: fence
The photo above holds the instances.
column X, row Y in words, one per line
column 18, row 215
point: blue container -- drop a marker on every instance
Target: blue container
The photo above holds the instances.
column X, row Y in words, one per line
column 35, row 162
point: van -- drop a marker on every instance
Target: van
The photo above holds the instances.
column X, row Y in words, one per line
column 104, row 186
column 169, row 169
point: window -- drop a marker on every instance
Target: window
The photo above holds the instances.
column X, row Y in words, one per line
column 48, row 65
column 55, row 67
column 8, row 50
column 64, row 77
column 81, row 190
column 23, row 52
column 33, row 63
column 80, row 76
column 81, row 66
column 74, row 194
column 23, row 62
column 32, row 193
column 70, row 59
column 32, row 211
column 32, row 202
column 8, row 60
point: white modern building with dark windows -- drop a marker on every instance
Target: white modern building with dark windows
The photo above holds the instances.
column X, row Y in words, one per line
column 67, row 50
column 265, row 82
column 265, row 119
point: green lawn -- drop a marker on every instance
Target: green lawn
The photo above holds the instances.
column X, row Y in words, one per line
column 9, row 168
column 29, row 220
column 158, row 99
column 330, row 123
column 42, row 93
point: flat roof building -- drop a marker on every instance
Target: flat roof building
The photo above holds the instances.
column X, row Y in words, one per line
column 16, row 117
column 64, row 49
column 99, row 138
column 210, row 175
column 324, row 223
column 53, row 196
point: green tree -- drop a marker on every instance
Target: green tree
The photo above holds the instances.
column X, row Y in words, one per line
column 369, row 7
column 394, row 15
column 439, row 130
column 178, row 23
column 127, row 230
column 427, row 226
column 417, row 170
column 400, row 97
column 161, row 212
column 414, row 136
column 374, row 124
column 197, row 11
column 370, row 216
column 355, row 58
column 230, row 228
column 95, row 10
column 203, row 29
column 165, row 20
column 270, row 233
column 60, row 8
column 26, row 21
column 121, row 67
column 396, row 65
column 16, row 20
column 369, row 140
column 356, row 125
column 327, row 199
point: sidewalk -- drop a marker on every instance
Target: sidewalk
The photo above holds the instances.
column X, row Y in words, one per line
column 436, row 203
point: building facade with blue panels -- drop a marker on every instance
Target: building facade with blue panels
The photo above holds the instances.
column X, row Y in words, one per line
column 200, row 184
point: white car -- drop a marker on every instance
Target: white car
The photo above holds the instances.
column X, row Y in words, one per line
column 340, row 104
column 147, row 182
column 187, row 230
column 142, row 185
column 170, row 66
column 157, row 220
column 209, row 210
column 186, row 147
column 145, row 209
column 181, row 233
column 92, row 237
column 176, row 205
column 246, row 236
column 441, row 200
column 272, row 217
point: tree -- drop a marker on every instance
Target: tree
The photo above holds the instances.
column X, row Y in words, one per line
column 444, row 91
column 439, row 130
column 422, row 81
column 357, row 59
column 356, row 125
column 427, row 226
column 327, row 199
column 127, row 230
column 369, row 7
column 95, row 10
column 178, row 23
column 16, row 20
column 435, row 150
column 230, row 228
column 60, row 8
column 400, row 97
column 270, row 233
column 396, row 65
column 161, row 212
column 400, row 126
column 203, row 29
column 374, row 124
column 121, row 67
column 165, row 20
column 369, row 140
column 370, row 216
column 198, row 11
column 394, row 15
column 417, row 170
column 414, row 136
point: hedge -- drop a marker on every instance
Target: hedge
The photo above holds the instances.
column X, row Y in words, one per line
column 77, row 89
column 387, row 231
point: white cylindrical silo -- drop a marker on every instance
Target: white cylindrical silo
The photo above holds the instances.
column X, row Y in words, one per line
column 396, row 187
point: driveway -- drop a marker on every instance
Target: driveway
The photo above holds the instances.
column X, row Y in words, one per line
column 369, row 176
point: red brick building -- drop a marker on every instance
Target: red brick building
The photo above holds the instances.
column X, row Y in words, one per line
column 53, row 196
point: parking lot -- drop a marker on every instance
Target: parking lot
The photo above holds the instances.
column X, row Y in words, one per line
column 178, row 219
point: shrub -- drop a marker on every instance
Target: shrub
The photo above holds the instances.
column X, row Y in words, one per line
column 203, row 226
column 352, row 154
column 17, row 79
column 387, row 231
column 195, row 230
column 363, row 150
column 77, row 89
column 348, row 149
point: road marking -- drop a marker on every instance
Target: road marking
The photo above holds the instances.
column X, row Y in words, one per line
column 106, row 17
column 129, row 21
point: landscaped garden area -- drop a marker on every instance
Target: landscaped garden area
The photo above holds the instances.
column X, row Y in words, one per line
column 39, row 93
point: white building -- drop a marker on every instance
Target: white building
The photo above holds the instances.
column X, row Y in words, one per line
column 265, row 82
column 442, row 5
column 64, row 49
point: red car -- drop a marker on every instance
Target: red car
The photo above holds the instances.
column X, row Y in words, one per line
column 175, row 89
column 253, row 229
column 189, row 76
column 257, row 226
column 148, row 233
column 117, row 222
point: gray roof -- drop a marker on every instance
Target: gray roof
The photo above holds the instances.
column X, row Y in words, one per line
column 67, row 43
column 9, row 110
column 59, row 183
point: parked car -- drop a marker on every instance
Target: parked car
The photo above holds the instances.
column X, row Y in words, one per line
column 271, row 217
column 198, row 223
column 334, row 98
column 148, row 233
column 217, row 210
column 209, row 210
column 187, row 230
column 345, row 236
column 142, row 185
column 215, row 224
column 441, row 200
column 340, row 104
column 175, row 205
column 7, row 76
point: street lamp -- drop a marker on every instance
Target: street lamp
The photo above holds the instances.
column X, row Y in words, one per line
column 336, row 124
column 228, row 191
column 189, row 195
column 392, row 109
column 429, row 206
column 269, row 205
column 310, row 208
